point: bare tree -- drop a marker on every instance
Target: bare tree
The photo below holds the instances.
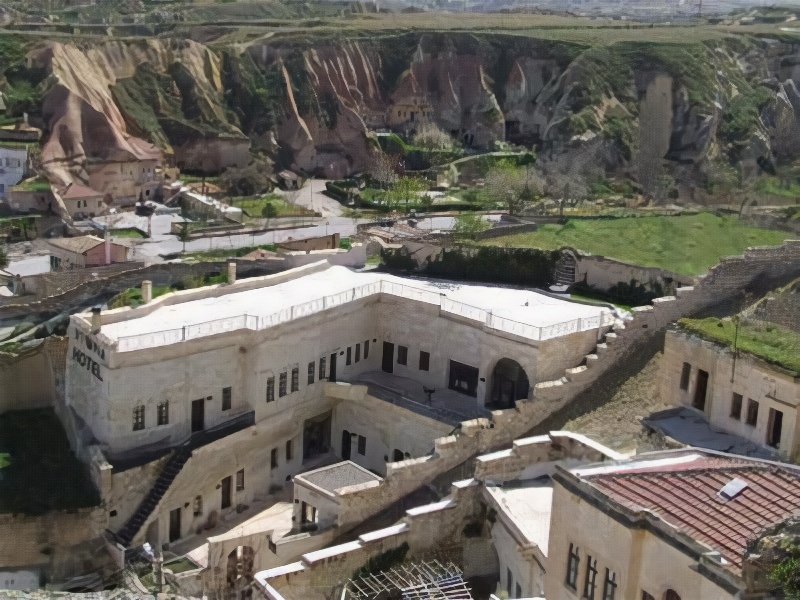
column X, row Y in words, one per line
column 430, row 135
column 384, row 170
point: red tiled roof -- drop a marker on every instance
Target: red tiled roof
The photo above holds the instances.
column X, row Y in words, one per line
column 685, row 496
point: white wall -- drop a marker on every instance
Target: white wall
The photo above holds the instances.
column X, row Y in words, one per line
column 13, row 162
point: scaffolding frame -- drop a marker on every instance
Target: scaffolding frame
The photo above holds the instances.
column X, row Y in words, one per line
column 426, row 580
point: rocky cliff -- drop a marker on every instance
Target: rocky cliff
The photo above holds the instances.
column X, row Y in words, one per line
column 665, row 115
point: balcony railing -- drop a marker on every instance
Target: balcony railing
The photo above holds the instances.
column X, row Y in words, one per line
column 298, row 311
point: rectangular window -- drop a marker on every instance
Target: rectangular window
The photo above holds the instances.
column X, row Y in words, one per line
column 273, row 458
column 282, row 385
column 424, row 361
column 270, row 389
column 736, row 406
column 226, row 398
column 322, row 367
column 463, row 379
column 198, row 506
column 590, row 583
column 311, row 369
column 610, row 585
column 138, row 418
column 687, row 371
column 366, row 350
column 572, row 567
column 402, row 355
column 289, row 453
column 163, row 413
column 752, row 412
column 358, row 352
column 349, row 357
column 295, row 379
column 362, row 445
column 239, row 480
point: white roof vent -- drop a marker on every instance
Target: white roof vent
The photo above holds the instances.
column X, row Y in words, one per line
column 732, row 489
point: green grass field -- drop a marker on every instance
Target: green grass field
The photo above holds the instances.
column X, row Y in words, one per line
column 687, row 245
column 772, row 343
column 254, row 205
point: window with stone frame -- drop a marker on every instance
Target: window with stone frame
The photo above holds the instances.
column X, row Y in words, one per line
column 358, row 352
column 366, row 349
column 239, row 480
column 227, row 398
column 736, row 406
column 402, row 355
column 198, row 506
column 322, row 368
column 289, row 450
column 273, row 458
column 312, row 368
column 686, row 372
column 349, row 357
column 162, row 413
column 295, row 379
column 424, row 360
column 271, row 388
column 138, row 417
column 573, row 562
column 752, row 412
column 590, row 582
column 282, row 384
column 610, row 585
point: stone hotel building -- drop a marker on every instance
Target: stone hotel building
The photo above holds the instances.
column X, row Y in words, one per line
column 203, row 401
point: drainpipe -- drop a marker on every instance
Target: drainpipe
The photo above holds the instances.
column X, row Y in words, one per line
column 96, row 319
column 147, row 291
column 231, row 272
column 108, row 247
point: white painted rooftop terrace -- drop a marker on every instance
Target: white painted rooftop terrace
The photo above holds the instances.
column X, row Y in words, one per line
column 524, row 313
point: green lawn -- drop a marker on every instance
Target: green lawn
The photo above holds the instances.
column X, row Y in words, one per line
column 253, row 206
column 41, row 473
column 223, row 253
column 687, row 245
column 129, row 232
column 772, row 343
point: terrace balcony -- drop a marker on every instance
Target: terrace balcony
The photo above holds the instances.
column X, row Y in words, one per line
column 443, row 405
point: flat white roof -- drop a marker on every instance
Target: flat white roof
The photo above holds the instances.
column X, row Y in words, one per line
column 516, row 311
column 528, row 506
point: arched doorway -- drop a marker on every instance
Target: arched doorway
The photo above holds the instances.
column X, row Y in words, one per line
column 240, row 571
column 509, row 383
column 671, row 595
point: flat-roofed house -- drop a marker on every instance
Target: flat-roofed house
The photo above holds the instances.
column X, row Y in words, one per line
column 242, row 374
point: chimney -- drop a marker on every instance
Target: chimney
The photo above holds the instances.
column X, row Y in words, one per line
column 95, row 319
column 147, row 291
column 231, row 272
column 108, row 247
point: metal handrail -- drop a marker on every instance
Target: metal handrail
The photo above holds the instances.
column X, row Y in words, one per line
column 257, row 323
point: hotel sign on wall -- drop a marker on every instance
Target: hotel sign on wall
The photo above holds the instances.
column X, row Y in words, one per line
column 83, row 358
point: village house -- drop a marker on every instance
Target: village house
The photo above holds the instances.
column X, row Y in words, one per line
column 127, row 182
column 13, row 166
column 84, row 251
column 82, row 202
column 237, row 373
column 666, row 525
column 740, row 394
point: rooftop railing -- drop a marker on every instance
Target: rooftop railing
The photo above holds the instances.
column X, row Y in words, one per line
column 298, row 311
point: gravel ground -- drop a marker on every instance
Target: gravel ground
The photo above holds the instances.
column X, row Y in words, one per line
column 616, row 422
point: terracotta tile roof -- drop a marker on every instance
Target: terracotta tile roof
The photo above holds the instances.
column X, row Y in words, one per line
column 685, row 495
column 76, row 190
column 79, row 245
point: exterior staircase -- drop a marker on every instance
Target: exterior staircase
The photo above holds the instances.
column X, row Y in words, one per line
column 565, row 269
column 171, row 469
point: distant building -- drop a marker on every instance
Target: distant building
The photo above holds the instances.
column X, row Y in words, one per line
column 82, row 201
column 744, row 396
column 84, row 251
column 13, row 166
column 672, row 525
